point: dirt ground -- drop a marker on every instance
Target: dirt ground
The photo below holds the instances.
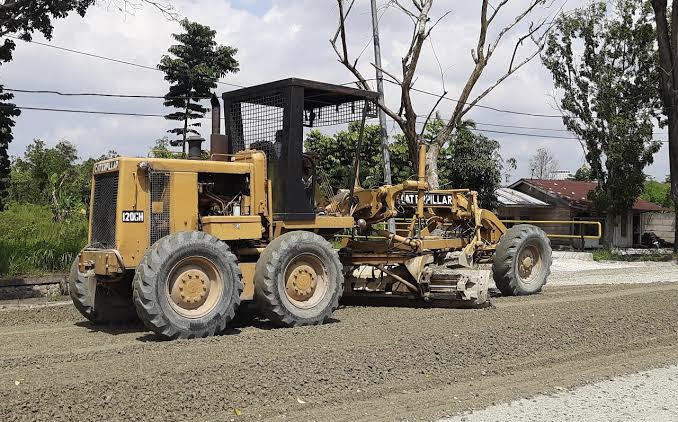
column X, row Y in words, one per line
column 370, row 363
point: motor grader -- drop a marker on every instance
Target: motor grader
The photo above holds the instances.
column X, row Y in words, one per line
column 180, row 243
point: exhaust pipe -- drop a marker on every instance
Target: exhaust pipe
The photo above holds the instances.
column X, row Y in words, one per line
column 219, row 144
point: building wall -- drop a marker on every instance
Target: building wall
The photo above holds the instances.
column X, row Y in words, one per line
column 661, row 224
column 623, row 231
column 552, row 213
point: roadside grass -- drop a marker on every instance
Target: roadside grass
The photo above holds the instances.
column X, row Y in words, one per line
column 32, row 243
column 608, row 255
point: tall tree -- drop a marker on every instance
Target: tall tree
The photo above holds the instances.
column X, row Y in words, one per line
column 193, row 68
column 543, row 165
column 469, row 160
column 603, row 62
column 491, row 35
column 21, row 19
column 667, row 39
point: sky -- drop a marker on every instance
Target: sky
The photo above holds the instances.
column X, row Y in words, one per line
column 277, row 39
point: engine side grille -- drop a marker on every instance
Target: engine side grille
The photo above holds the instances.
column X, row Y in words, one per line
column 104, row 209
column 160, row 206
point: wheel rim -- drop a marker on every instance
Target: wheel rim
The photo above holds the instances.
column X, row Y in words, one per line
column 306, row 281
column 194, row 287
column 529, row 263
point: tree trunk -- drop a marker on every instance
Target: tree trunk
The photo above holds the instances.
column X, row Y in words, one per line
column 608, row 233
column 183, row 143
column 667, row 42
column 432, row 165
column 673, row 166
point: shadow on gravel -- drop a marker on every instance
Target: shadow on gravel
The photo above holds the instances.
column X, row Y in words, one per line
column 246, row 316
column 113, row 329
column 403, row 302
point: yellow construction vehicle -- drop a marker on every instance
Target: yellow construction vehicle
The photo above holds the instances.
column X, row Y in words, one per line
column 179, row 243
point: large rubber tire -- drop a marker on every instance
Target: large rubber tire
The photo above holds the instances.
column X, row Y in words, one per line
column 112, row 301
column 270, row 280
column 152, row 284
column 518, row 242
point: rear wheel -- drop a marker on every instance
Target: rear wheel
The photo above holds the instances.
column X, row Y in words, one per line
column 522, row 261
column 101, row 302
column 188, row 285
column 298, row 280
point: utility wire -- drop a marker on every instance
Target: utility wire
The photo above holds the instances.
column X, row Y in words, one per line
column 445, row 97
column 242, row 86
column 499, row 110
column 66, row 110
column 116, row 113
column 110, row 59
column 95, row 94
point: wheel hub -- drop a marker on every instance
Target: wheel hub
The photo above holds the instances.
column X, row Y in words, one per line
column 302, row 282
column 529, row 261
column 193, row 286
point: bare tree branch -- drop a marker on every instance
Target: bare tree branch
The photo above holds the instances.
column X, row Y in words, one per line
column 395, row 78
column 437, row 22
column 430, row 113
column 496, row 10
column 499, row 80
column 165, row 7
column 422, row 26
column 516, row 21
column 343, row 54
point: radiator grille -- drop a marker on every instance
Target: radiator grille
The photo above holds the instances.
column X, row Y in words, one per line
column 104, row 209
column 160, row 206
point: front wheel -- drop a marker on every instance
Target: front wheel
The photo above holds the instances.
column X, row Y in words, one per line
column 188, row 285
column 522, row 261
column 99, row 302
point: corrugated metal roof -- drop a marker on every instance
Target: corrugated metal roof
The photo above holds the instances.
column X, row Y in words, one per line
column 576, row 193
column 511, row 198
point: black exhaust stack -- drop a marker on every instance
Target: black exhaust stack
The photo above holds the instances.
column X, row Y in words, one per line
column 219, row 144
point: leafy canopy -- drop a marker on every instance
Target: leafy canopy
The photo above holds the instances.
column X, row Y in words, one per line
column 469, row 161
column 658, row 192
column 603, row 62
column 583, row 174
column 22, row 18
column 193, row 67
column 53, row 177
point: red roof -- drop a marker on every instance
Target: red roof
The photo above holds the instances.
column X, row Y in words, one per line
column 576, row 193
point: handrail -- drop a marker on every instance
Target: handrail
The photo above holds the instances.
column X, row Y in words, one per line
column 564, row 236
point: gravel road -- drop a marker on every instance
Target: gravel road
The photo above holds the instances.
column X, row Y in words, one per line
column 647, row 396
column 370, row 363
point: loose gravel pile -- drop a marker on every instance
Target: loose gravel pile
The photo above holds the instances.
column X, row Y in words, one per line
column 647, row 396
column 369, row 363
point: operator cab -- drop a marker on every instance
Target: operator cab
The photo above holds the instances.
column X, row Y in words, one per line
column 271, row 118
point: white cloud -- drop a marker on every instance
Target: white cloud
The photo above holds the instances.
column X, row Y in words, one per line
column 276, row 39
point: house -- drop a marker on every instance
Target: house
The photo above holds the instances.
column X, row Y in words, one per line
column 567, row 200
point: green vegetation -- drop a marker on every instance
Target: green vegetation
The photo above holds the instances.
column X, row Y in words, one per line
column 31, row 242
column 609, row 255
column 45, row 224
column 193, row 67
column 469, row 160
column 657, row 192
column 603, row 60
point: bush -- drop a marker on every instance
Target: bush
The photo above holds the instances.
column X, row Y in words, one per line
column 32, row 243
column 609, row 255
